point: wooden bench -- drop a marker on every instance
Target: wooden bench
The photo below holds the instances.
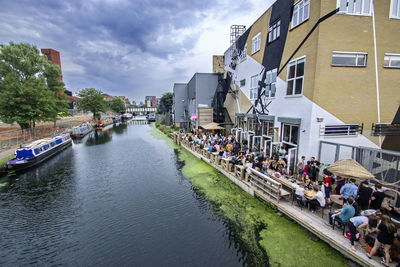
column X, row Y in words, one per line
column 239, row 171
column 267, row 185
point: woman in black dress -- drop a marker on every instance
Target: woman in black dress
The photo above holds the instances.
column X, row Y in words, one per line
column 385, row 237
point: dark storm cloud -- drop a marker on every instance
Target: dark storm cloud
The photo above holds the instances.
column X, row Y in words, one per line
column 113, row 45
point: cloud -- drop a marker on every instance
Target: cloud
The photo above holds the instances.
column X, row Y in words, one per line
column 123, row 47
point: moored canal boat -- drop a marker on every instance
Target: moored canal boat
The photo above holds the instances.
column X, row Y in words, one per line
column 117, row 119
column 103, row 123
column 81, row 130
column 38, row 151
column 127, row 116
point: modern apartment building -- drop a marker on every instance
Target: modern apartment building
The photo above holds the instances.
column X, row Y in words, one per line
column 317, row 70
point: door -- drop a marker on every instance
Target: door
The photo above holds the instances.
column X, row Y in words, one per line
column 267, row 146
column 291, row 160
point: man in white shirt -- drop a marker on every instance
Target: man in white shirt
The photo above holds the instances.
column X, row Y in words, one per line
column 318, row 200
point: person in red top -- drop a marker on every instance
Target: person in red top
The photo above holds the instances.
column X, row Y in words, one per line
column 305, row 172
column 327, row 183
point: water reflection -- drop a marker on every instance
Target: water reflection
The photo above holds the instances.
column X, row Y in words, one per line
column 120, row 128
column 99, row 137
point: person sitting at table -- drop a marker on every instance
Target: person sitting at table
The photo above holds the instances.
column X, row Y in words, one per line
column 342, row 215
column 316, row 201
column 248, row 166
column 364, row 195
column 377, row 197
column 349, row 189
column 360, row 223
column 307, row 183
column 299, row 194
column 357, row 209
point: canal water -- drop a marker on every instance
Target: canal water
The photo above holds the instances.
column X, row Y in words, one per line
column 115, row 198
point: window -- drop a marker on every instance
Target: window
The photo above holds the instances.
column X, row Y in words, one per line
column 274, row 31
column 268, row 128
column 242, row 82
column 355, row 7
column 295, row 77
column 385, row 129
column 256, row 43
column 392, row 61
column 342, row 130
column 301, row 12
column 290, row 133
column 395, row 9
column 349, row 59
column 253, row 87
column 270, row 83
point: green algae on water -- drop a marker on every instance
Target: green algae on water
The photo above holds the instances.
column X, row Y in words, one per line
column 267, row 239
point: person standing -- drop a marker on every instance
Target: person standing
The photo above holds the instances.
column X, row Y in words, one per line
column 327, row 183
column 349, row 189
column 300, row 167
column 377, row 197
column 385, row 237
column 364, row 195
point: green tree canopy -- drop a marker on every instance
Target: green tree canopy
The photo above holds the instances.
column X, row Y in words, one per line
column 117, row 105
column 30, row 86
column 92, row 100
column 166, row 102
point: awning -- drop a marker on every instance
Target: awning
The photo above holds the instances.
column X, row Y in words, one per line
column 349, row 168
column 212, row 126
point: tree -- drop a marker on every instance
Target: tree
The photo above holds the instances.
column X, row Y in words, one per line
column 30, row 88
column 92, row 100
column 166, row 103
column 117, row 105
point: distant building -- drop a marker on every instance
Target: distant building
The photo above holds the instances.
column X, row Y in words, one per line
column 133, row 102
column 53, row 56
column 199, row 93
column 107, row 97
column 150, row 101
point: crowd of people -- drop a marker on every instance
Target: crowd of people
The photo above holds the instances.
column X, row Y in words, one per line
column 364, row 212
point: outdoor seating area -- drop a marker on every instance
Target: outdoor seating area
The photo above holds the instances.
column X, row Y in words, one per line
column 361, row 213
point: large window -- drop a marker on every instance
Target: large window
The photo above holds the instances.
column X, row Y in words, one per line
column 295, row 77
column 355, row 7
column 395, row 9
column 270, row 82
column 253, row 87
column 392, row 61
column 351, row 59
column 256, row 43
column 290, row 133
column 301, row 12
column 274, row 31
column 268, row 128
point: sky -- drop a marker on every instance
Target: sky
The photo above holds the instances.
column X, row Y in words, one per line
column 132, row 48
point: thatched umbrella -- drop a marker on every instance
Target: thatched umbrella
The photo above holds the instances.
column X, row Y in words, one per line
column 349, row 168
column 212, row 126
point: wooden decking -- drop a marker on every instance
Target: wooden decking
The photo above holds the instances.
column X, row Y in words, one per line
column 312, row 222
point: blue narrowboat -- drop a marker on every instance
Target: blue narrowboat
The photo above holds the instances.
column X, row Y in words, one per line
column 38, row 151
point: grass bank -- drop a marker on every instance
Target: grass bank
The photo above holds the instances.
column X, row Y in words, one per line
column 266, row 237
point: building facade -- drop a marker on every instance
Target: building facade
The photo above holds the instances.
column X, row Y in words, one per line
column 53, row 56
column 198, row 93
column 311, row 71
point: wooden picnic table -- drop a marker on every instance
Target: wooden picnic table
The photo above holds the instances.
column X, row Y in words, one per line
column 336, row 199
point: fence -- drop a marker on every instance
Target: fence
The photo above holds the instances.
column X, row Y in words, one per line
column 11, row 139
column 384, row 164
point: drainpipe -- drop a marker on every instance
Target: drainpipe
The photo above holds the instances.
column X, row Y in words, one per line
column 376, row 70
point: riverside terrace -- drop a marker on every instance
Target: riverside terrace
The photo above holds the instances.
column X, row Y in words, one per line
column 283, row 192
